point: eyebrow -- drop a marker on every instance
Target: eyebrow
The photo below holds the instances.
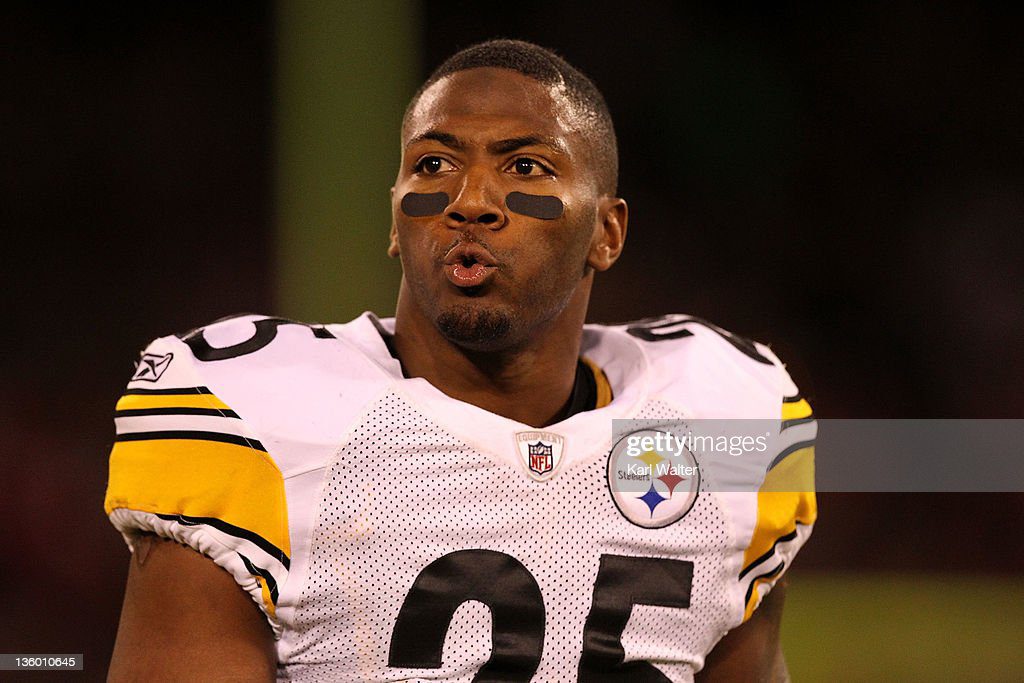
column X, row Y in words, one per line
column 498, row 147
column 446, row 139
column 512, row 144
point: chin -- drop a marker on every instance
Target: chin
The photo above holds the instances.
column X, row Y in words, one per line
column 476, row 327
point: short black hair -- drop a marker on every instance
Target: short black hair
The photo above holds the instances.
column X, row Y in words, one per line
column 548, row 68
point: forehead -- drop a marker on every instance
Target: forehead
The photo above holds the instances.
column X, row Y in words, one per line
column 492, row 102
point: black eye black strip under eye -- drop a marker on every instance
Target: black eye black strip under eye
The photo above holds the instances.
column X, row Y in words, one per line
column 545, row 207
column 417, row 205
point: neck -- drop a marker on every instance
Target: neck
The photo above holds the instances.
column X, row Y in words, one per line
column 530, row 382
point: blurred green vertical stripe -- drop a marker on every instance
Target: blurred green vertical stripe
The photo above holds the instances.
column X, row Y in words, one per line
column 344, row 72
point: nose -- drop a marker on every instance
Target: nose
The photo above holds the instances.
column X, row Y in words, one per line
column 474, row 205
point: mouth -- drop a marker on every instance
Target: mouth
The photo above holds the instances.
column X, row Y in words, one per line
column 469, row 265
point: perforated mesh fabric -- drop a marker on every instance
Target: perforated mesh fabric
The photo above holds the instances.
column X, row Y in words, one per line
column 403, row 493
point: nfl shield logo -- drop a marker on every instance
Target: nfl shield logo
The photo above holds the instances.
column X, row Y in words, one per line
column 542, row 458
column 541, row 452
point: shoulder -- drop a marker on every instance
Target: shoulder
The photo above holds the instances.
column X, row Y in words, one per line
column 232, row 338
column 239, row 336
column 220, row 425
column 282, row 380
column 260, row 364
column 707, row 369
column 726, row 384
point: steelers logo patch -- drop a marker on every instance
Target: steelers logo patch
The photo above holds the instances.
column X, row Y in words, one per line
column 653, row 478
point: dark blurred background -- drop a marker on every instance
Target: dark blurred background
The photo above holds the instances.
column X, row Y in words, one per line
column 844, row 183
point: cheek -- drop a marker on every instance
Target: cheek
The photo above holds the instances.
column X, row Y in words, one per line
column 419, row 248
column 578, row 231
column 559, row 259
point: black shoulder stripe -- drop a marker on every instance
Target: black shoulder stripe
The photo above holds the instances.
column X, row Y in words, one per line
column 786, row 424
column 139, row 412
column 788, row 451
column 771, row 551
column 766, row 575
column 792, row 399
column 192, row 435
column 260, row 571
column 176, row 391
column 232, row 530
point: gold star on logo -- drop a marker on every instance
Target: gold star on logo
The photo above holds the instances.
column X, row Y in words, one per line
column 650, row 458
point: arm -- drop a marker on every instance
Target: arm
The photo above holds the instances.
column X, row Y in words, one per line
column 751, row 651
column 185, row 618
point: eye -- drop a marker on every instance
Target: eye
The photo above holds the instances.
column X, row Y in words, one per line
column 528, row 166
column 433, row 165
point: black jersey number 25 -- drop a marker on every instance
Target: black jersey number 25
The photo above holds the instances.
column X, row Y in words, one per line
column 502, row 583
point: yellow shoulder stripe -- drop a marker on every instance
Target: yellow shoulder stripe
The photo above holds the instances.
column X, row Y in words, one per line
column 238, row 485
column 796, row 410
column 786, row 498
column 191, row 400
column 267, row 599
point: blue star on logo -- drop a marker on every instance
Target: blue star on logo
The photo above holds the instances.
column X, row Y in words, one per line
column 652, row 498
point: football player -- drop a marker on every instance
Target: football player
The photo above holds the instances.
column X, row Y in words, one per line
column 430, row 497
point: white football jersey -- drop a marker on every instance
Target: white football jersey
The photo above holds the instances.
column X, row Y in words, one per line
column 392, row 533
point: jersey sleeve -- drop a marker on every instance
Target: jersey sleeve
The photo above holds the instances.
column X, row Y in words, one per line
column 187, row 467
column 786, row 503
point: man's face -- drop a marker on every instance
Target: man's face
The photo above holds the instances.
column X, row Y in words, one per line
column 487, row 275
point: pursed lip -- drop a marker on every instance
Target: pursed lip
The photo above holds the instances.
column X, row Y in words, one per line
column 466, row 253
column 468, row 266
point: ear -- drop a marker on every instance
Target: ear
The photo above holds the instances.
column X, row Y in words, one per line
column 393, row 243
column 609, row 233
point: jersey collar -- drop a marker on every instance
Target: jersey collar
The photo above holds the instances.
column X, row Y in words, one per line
column 585, row 434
